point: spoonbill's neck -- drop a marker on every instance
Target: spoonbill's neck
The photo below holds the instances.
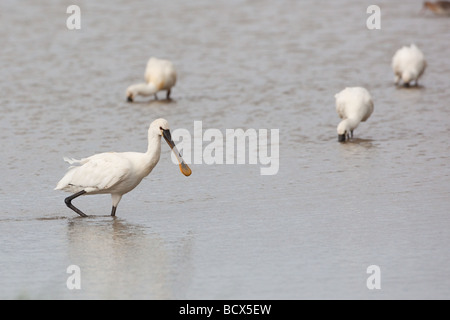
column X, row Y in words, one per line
column 154, row 146
column 146, row 89
column 350, row 123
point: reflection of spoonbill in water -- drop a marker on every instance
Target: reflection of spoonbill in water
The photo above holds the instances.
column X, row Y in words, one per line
column 117, row 173
column 353, row 105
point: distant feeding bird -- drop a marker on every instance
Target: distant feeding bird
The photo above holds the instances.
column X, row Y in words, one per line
column 353, row 105
column 160, row 75
column 438, row 7
column 408, row 64
column 117, row 173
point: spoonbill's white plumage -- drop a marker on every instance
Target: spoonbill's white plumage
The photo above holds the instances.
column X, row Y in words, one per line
column 117, row 173
column 160, row 75
column 353, row 105
column 408, row 64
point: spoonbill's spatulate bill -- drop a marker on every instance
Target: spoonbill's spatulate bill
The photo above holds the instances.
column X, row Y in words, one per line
column 117, row 173
column 353, row 105
column 408, row 64
column 160, row 75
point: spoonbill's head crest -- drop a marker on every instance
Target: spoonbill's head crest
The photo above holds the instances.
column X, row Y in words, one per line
column 343, row 131
column 131, row 93
column 160, row 126
column 407, row 77
column 135, row 90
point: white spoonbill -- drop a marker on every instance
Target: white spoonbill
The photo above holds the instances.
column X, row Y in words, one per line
column 159, row 75
column 408, row 64
column 117, row 173
column 353, row 105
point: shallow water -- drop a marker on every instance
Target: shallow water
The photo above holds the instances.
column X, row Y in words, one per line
column 226, row 232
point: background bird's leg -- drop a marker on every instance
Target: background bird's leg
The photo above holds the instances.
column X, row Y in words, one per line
column 168, row 95
column 156, row 97
column 68, row 202
column 351, row 134
column 113, row 211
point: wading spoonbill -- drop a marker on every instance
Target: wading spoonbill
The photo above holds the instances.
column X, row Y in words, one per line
column 117, row 173
column 160, row 75
column 353, row 105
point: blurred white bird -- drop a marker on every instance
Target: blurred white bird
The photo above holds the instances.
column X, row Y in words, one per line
column 117, row 173
column 160, row 75
column 408, row 64
column 438, row 7
column 353, row 105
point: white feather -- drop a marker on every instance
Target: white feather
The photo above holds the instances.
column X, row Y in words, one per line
column 160, row 73
column 353, row 105
column 408, row 64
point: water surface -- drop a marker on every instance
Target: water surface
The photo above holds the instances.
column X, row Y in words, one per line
column 226, row 232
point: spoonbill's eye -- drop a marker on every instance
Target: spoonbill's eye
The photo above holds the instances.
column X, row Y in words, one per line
column 160, row 128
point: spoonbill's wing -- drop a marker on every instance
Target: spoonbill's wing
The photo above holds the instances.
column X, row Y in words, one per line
column 369, row 109
column 340, row 106
column 96, row 173
column 153, row 71
column 160, row 73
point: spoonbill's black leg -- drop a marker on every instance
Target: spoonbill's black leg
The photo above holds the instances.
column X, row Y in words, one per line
column 68, row 202
column 113, row 211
